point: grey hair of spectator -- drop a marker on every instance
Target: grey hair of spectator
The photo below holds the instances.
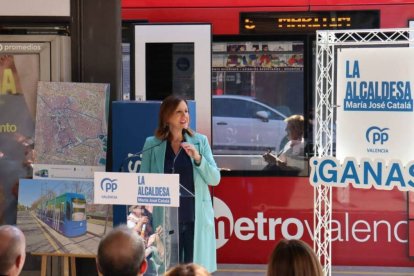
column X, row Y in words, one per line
column 121, row 252
column 12, row 250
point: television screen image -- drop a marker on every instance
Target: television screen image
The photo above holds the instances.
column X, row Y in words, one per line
column 58, row 217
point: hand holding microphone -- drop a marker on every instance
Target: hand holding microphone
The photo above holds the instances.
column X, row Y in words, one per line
column 191, row 151
column 143, row 230
column 141, row 222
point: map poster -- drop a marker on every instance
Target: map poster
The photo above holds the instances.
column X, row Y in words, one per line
column 19, row 74
column 59, row 217
column 71, row 129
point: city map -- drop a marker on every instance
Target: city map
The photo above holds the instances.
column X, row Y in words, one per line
column 71, row 123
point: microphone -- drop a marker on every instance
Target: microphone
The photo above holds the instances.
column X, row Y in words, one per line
column 137, row 154
column 184, row 131
column 187, row 190
column 143, row 230
column 191, row 194
column 173, row 171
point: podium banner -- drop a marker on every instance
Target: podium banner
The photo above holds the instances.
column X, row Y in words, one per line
column 137, row 189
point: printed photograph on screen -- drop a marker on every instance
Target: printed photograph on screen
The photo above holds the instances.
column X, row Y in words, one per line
column 251, row 103
column 57, row 216
column 141, row 219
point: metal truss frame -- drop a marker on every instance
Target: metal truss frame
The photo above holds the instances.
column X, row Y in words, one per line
column 327, row 44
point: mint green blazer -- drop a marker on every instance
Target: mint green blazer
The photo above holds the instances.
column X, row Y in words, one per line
column 205, row 174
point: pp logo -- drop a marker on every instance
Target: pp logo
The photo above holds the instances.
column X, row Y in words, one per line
column 109, row 185
column 375, row 134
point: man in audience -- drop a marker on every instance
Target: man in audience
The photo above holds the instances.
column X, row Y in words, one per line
column 121, row 252
column 12, row 250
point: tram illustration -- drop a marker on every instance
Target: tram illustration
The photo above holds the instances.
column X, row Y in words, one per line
column 65, row 213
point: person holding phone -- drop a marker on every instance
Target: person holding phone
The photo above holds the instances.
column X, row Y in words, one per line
column 176, row 148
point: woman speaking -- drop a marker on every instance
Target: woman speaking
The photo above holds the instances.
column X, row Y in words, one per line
column 176, row 148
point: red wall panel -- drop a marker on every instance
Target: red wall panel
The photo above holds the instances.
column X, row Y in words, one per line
column 225, row 19
column 369, row 227
column 212, row 3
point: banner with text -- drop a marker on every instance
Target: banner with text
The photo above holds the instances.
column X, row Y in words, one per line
column 375, row 105
column 136, row 189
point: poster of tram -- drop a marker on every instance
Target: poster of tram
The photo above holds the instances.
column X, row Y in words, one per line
column 57, row 216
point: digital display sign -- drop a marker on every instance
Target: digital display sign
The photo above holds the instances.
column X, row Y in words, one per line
column 277, row 22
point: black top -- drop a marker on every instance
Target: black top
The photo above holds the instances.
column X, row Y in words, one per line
column 181, row 164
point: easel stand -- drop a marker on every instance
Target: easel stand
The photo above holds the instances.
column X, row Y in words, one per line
column 52, row 261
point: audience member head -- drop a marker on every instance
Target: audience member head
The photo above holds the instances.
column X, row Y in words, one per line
column 121, row 252
column 293, row 258
column 295, row 127
column 12, row 250
column 187, row 270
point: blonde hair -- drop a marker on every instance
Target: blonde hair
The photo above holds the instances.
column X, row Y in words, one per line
column 295, row 124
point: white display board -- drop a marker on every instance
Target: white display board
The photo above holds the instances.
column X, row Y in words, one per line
column 35, row 8
column 375, row 106
column 197, row 34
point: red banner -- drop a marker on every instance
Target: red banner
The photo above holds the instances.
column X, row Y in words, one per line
column 369, row 227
